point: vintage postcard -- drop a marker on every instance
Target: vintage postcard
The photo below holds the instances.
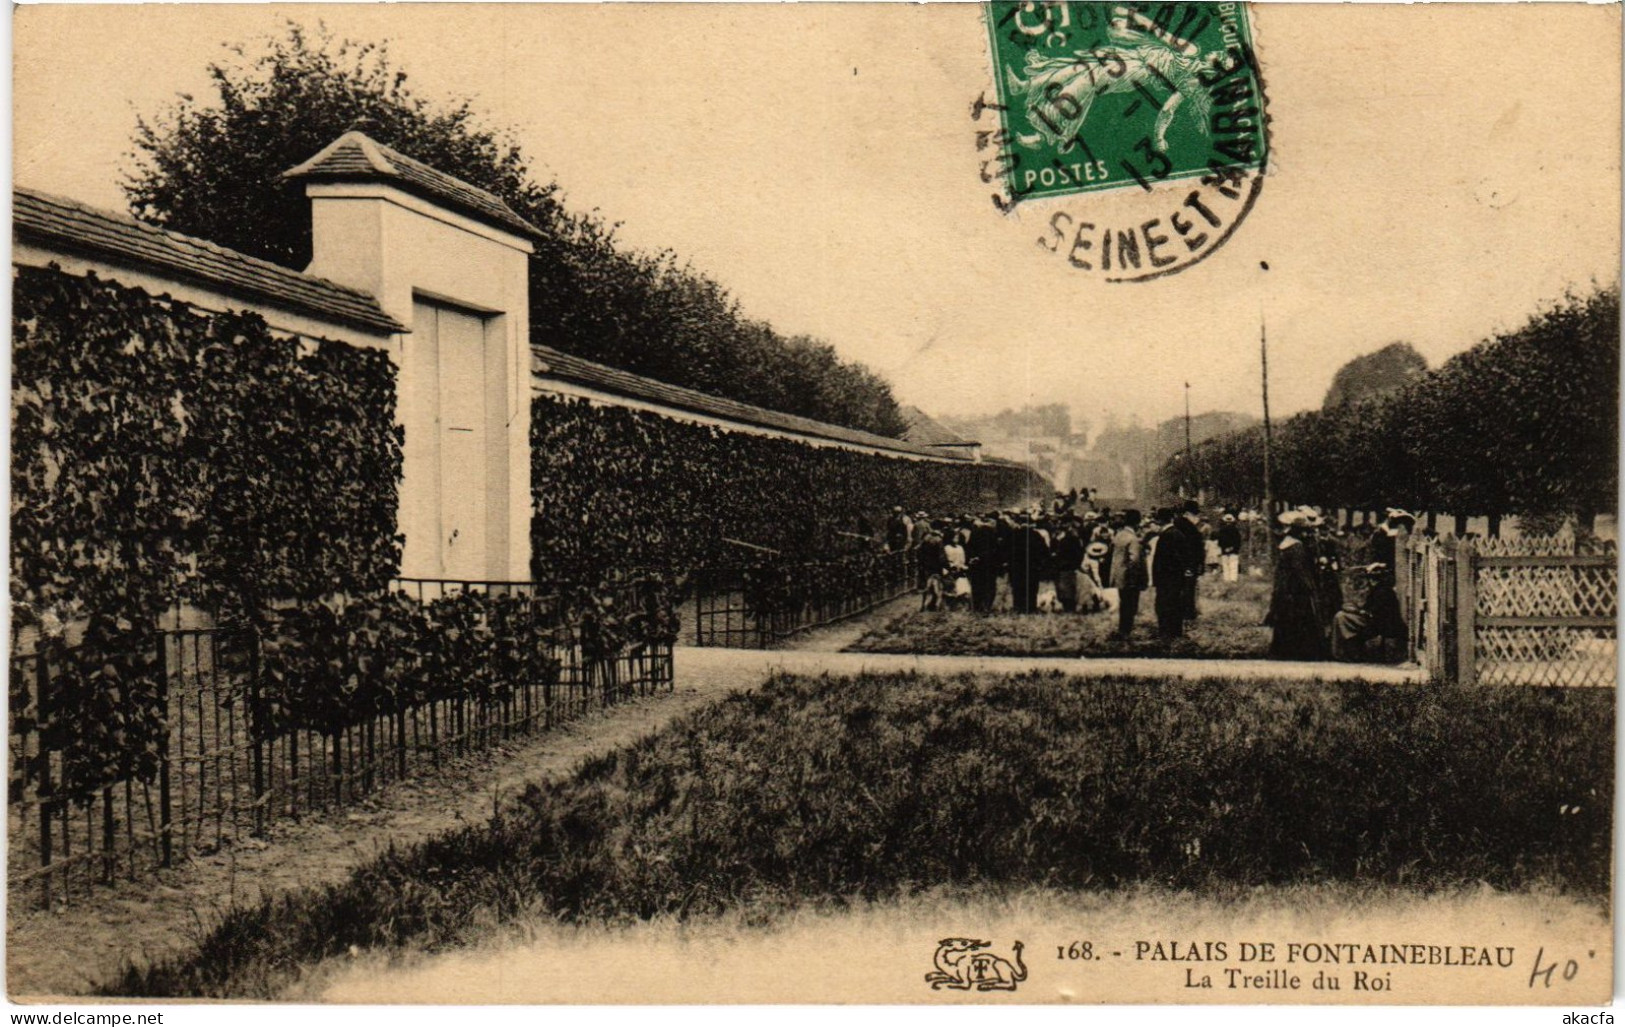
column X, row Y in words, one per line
column 1000, row 503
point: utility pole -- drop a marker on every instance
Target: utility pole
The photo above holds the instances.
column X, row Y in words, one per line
column 1187, row 420
column 1264, row 370
column 1264, row 364
column 1186, row 483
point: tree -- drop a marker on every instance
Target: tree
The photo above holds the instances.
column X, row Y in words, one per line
column 1375, row 375
column 211, row 167
column 1524, row 423
column 1528, row 422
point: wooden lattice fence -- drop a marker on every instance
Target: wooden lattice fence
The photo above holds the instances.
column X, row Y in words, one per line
column 1539, row 611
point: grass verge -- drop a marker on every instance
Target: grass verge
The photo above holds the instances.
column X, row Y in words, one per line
column 1229, row 628
column 881, row 785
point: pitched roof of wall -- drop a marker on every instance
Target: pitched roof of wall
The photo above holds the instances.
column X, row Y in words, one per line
column 549, row 362
column 357, row 157
column 65, row 224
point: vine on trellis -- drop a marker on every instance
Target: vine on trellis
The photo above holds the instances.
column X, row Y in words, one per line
column 160, row 455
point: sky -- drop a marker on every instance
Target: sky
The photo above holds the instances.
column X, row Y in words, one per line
column 1438, row 174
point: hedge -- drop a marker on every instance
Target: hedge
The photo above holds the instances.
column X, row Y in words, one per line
column 619, row 490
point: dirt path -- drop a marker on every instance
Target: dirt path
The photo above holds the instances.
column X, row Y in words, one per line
column 700, row 664
column 839, row 636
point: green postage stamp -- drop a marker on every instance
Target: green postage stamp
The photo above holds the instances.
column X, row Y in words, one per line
column 1150, row 116
column 1100, row 96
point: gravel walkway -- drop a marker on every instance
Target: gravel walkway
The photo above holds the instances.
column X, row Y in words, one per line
column 733, row 665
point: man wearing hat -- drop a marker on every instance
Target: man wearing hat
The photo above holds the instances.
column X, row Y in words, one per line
column 1385, row 543
column 982, row 552
column 1066, row 555
column 898, row 529
column 1029, row 559
column 1229, row 539
column 1189, row 523
column 1173, row 571
column 1128, row 574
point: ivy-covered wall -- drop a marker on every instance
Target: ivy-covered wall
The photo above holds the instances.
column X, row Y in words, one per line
column 619, row 490
column 160, row 453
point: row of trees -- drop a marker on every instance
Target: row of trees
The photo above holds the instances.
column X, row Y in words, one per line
column 1524, row 423
column 210, row 166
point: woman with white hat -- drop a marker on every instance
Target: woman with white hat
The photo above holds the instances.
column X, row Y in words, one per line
column 1089, row 581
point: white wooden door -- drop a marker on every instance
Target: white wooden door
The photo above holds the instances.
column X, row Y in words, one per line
column 463, row 437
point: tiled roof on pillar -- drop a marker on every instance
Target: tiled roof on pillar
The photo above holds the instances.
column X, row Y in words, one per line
column 98, row 234
column 356, row 157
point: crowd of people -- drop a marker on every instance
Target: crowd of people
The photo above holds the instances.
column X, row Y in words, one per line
column 1317, row 609
column 1072, row 560
column 623, row 490
column 1333, row 589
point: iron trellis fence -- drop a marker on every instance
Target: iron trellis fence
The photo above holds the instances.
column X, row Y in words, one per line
column 758, row 606
column 218, row 780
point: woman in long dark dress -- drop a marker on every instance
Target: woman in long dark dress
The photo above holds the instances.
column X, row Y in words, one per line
column 1295, row 602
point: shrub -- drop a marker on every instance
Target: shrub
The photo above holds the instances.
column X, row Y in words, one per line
column 329, row 664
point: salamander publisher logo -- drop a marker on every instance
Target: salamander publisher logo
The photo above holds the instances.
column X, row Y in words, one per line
column 961, row 965
column 1596, row 1018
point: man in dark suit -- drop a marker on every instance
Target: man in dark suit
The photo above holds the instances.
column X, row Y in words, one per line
column 1171, row 567
column 982, row 553
column 898, row 530
column 1189, row 522
column 1029, row 557
column 932, row 558
column 1128, row 570
column 1067, row 553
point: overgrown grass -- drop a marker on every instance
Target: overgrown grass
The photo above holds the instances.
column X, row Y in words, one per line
column 880, row 785
column 1230, row 627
